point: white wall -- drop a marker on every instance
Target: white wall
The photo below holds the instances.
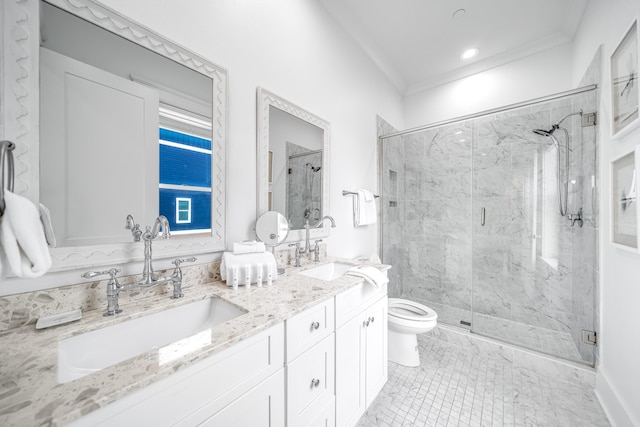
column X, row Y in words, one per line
column 618, row 380
column 531, row 77
column 294, row 49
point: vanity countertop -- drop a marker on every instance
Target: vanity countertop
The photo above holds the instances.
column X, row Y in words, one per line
column 31, row 395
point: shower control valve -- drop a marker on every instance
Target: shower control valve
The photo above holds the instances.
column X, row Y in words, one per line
column 576, row 218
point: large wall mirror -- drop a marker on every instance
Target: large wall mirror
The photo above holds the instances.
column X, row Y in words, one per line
column 112, row 119
column 293, row 164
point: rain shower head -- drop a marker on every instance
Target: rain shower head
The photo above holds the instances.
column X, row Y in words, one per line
column 314, row 168
column 554, row 127
column 545, row 133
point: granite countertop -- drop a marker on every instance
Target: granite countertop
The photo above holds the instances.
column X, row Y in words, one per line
column 31, row 395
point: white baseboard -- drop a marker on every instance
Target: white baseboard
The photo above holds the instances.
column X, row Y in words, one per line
column 617, row 412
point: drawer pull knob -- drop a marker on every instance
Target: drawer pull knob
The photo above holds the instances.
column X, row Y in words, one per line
column 372, row 319
column 315, row 325
column 368, row 321
column 315, row 383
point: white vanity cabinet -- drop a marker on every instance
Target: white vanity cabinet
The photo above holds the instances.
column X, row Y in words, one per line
column 244, row 381
column 361, row 350
column 311, row 367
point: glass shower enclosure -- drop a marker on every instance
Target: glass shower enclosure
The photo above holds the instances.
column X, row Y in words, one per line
column 473, row 229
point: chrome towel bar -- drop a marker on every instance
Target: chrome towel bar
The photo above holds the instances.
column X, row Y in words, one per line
column 351, row 193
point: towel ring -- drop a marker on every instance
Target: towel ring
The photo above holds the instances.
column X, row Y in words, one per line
column 6, row 158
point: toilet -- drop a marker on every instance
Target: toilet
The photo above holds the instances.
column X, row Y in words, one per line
column 407, row 319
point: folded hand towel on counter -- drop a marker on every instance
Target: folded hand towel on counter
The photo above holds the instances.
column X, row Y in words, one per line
column 22, row 238
column 364, row 208
column 370, row 274
column 248, row 247
column 265, row 259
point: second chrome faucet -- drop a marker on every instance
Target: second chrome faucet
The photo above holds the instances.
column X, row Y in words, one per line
column 307, row 244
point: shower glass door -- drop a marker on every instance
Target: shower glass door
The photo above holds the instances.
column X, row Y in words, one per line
column 533, row 274
column 472, row 225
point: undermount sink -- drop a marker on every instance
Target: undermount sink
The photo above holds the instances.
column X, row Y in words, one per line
column 327, row 272
column 174, row 332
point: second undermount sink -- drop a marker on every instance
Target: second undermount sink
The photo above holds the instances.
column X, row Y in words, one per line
column 327, row 272
column 174, row 332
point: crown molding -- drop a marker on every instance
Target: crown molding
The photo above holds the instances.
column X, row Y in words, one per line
column 537, row 46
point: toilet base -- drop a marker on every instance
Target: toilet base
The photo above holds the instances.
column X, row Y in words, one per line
column 403, row 349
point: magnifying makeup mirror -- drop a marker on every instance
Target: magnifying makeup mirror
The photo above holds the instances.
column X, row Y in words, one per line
column 272, row 228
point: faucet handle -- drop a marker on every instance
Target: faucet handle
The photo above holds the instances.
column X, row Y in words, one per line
column 316, row 251
column 179, row 261
column 113, row 272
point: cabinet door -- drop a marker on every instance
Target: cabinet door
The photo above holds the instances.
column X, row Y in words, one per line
column 350, row 371
column 376, row 349
column 262, row 406
column 326, row 417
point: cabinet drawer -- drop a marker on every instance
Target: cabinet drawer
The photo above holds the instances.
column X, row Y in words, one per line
column 353, row 301
column 310, row 382
column 309, row 327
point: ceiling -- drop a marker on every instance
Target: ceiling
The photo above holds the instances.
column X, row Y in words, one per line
column 418, row 43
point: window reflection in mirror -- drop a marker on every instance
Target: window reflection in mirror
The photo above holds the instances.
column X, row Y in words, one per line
column 123, row 131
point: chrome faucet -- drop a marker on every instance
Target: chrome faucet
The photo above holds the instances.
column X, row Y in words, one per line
column 114, row 287
column 307, row 244
column 148, row 278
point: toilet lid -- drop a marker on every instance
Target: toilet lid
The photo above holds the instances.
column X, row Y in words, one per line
column 410, row 310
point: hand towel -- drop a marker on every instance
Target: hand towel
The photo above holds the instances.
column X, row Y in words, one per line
column 364, row 208
column 266, row 259
column 370, row 274
column 22, row 238
column 248, row 247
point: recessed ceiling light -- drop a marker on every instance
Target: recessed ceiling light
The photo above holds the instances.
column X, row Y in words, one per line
column 469, row 53
column 458, row 13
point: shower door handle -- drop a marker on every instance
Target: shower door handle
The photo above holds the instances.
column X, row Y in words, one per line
column 483, row 216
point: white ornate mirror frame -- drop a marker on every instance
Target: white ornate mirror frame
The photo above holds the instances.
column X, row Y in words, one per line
column 267, row 99
column 19, row 122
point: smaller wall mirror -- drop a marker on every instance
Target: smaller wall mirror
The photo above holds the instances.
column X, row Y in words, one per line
column 293, row 164
column 272, row 228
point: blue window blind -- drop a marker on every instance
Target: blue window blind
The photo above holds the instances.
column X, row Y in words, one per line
column 184, row 167
column 184, row 139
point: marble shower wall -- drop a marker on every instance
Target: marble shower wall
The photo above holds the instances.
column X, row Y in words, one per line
column 304, row 186
column 526, row 263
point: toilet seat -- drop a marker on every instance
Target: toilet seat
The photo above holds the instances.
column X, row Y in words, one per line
column 411, row 310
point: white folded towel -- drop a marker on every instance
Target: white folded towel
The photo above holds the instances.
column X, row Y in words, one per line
column 266, row 259
column 370, row 274
column 248, row 247
column 22, row 238
column 364, row 208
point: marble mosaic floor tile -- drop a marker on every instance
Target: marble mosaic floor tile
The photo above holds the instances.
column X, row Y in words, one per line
column 456, row 387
